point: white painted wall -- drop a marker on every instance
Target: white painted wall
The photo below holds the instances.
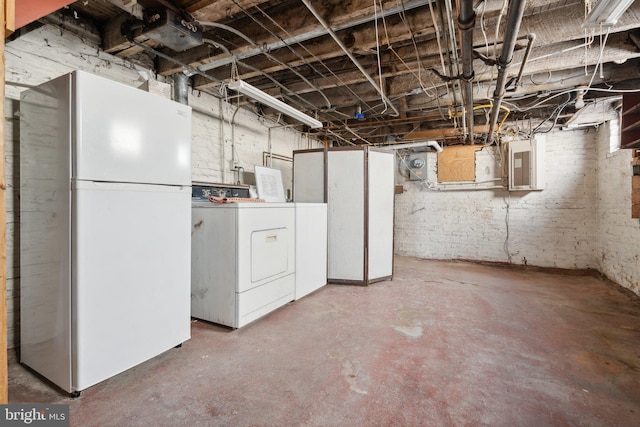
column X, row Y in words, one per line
column 582, row 219
column 618, row 244
column 552, row 228
column 48, row 52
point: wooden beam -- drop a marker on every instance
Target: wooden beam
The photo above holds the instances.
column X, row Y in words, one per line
column 113, row 40
column 440, row 134
column 10, row 17
column 303, row 26
column 216, row 10
column 4, row 396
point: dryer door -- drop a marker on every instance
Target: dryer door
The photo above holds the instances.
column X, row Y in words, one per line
column 265, row 243
column 269, row 253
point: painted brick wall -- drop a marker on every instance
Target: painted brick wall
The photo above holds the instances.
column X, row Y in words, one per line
column 618, row 243
column 554, row 227
column 244, row 143
column 46, row 53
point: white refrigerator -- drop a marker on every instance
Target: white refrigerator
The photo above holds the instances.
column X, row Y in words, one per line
column 105, row 212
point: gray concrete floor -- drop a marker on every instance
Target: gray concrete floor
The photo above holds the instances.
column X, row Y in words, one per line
column 444, row 343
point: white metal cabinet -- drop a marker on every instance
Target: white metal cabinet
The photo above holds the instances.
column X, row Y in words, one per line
column 358, row 187
column 526, row 164
column 130, row 286
column 243, row 260
column 311, row 247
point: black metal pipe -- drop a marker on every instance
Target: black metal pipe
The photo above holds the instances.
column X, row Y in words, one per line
column 514, row 19
column 466, row 22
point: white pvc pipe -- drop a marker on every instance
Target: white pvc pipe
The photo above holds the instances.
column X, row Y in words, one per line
column 433, row 144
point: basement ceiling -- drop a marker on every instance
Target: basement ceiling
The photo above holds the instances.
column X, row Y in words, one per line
column 382, row 71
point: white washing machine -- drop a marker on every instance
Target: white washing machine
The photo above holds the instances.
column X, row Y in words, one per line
column 242, row 260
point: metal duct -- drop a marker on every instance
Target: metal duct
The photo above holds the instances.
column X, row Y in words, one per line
column 466, row 22
column 514, row 19
column 181, row 88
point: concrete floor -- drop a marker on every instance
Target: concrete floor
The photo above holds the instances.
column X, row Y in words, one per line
column 444, row 343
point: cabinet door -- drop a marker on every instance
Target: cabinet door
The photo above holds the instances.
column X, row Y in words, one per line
column 269, row 253
column 130, row 135
column 131, row 276
column 266, row 243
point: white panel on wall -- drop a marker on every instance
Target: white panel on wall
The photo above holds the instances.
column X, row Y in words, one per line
column 346, row 214
column 526, row 164
column 381, row 193
column 308, row 179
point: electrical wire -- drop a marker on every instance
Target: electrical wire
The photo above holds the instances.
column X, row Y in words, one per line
column 486, row 44
column 303, row 59
column 234, row 72
column 507, row 202
column 557, row 111
column 375, row 20
column 497, row 33
column 564, row 92
column 436, row 28
column 267, row 54
column 541, row 83
column 599, row 62
column 586, row 45
column 455, row 63
column 405, row 21
column 339, row 136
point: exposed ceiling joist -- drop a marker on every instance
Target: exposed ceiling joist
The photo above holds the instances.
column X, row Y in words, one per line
column 281, row 48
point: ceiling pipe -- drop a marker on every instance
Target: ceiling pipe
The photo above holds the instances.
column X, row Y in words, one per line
column 181, row 88
column 514, row 19
column 466, row 22
column 454, row 59
column 432, row 144
column 531, row 38
column 353, row 59
column 191, row 70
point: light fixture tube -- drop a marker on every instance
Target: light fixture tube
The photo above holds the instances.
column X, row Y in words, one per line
column 607, row 12
column 266, row 99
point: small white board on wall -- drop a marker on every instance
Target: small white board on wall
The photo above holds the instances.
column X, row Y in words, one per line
column 269, row 184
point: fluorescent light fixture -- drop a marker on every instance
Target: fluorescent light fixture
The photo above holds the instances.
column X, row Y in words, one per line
column 607, row 13
column 260, row 96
